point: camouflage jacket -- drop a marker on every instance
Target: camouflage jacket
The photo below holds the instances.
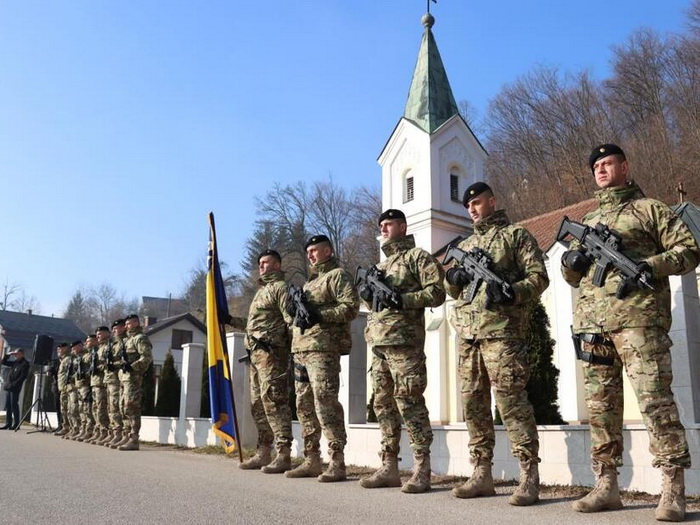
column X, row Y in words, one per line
column 266, row 316
column 97, row 377
column 418, row 276
column 62, row 376
column 80, row 376
column 331, row 293
column 138, row 353
column 516, row 259
column 106, row 356
column 650, row 232
column 115, row 347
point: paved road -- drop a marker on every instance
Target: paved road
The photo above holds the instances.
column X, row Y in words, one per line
column 44, row 479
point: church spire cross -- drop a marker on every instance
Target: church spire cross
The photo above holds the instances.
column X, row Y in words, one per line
column 428, row 6
column 681, row 192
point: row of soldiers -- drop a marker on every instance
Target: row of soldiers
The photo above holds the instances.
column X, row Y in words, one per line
column 614, row 331
column 99, row 384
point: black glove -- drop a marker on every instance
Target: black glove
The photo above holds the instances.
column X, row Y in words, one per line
column 291, row 309
column 457, row 276
column 645, row 276
column 366, row 293
column 126, row 367
column 576, row 260
column 496, row 294
column 395, row 301
column 110, row 367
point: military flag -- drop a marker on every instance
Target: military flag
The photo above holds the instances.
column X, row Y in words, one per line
column 223, row 412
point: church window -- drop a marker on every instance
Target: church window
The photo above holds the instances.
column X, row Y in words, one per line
column 454, row 187
column 409, row 189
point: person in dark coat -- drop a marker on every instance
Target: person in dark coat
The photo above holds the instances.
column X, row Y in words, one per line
column 13, row 386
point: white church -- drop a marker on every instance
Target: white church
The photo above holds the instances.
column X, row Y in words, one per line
column 430, row 158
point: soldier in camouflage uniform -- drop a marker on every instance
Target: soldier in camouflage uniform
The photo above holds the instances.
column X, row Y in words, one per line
column 62, row 351
column 492, row 352
column 85, row 391
column 113, row 352
column 81, row 391
column 134, row 362
column 631, row 332
column 98, row 386
column 333, row 303
column 396, row 336
column 268, row 341
column 72, row 411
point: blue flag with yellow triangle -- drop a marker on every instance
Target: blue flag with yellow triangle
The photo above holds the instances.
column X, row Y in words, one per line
column 223, row 412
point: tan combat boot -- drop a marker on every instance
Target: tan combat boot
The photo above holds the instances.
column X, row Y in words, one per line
column 261, row 458
column 420, row 480
column 528, row 490
column 131, row 444
column 672, row 503
column 385, row 476
column 310, row 468
column 336, row 468
column 108, row 436
column 94, row 436
column 64, row 430
column 282, row 462
column 123, row 441
column 480, row 484
column 117, row 437
column 605, row 495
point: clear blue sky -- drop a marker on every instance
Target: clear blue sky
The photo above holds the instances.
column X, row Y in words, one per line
column 122, row 124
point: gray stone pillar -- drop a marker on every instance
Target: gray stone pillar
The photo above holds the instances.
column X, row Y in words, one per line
column 353, row 374
column 241, row 389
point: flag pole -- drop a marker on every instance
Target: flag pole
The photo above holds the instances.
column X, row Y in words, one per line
column 222, row 336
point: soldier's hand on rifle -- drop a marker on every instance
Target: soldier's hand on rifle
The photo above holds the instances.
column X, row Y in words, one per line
column 457, row 276
column 645, row 276
column 498, row 295
column 576, row 260
column 395, row 301
column 365, row 292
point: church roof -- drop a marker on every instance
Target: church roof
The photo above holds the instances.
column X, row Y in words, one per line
column 690, row 214
column 430, row 100
column 545, row 227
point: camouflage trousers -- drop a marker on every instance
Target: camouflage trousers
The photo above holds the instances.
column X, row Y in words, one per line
column 399, row 379
column 99, row 407
column 645, row 354
column 85, row 408
column 130, row 397
column 72, row 411
column 63, row 401
column 317, row 384
column 114, row 411
column 269, row 397
column 501, row 364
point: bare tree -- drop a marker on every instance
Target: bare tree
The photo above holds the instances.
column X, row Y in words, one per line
column 9, row 290
column 25, row 303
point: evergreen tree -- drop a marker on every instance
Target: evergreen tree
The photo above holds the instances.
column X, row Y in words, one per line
column 542, row 386
column 168, row 404
column 544, row 376
column 148, row 392
column 205, row 407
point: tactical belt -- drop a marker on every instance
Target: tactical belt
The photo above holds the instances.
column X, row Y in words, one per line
column 588, row 357
column 300, row 373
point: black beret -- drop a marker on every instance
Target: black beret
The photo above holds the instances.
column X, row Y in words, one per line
column 63, row 345
column 90, row 336
column 274, row 253
column 316, row 239
column 131, row 316
column 474, row 191
column 118, row 322
column 391, row 214
column 76, row 343
column 101, row 329
column 602, row 151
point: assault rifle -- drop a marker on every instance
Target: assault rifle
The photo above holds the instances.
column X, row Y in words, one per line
column 108, row 358
column 79, row 368
column 383, row 295
column 93, row 361
column 304, row 317
column 126, row 366
column 603, row 246
column 69, row 372
column 477, row 263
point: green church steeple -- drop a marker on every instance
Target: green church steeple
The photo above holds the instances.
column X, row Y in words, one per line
column 430, row 100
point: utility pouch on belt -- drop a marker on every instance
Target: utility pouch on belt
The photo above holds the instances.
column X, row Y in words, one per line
column 595, row 339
